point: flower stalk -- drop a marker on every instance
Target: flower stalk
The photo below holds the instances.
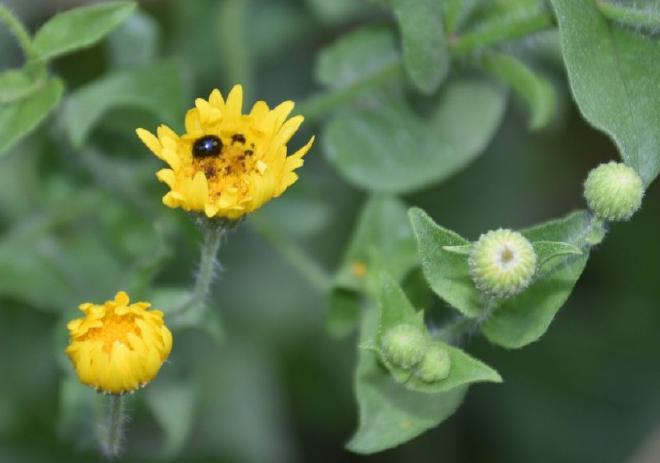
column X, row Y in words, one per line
column 213, row 230
column 111, row 433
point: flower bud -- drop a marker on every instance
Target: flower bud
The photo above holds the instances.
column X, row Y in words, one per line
column 435, row 365
column 404, row 345
column 502, row 263
column 614, row 191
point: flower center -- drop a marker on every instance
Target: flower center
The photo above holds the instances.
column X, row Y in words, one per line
column 115, row 328
column 226, row 169
column 507, row 258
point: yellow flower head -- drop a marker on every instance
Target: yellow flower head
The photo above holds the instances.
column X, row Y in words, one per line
column 118, row 347
column 228, row 164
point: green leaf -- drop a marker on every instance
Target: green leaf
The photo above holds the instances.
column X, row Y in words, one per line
column 615, row 85
column 79, row 28
column 632, row 15
column 390, row 149
column 526, row 317
column 546, row 251
column 20, row 117
column 425, row 50
column 135, row 42
column 389, row 414
column 16, row 84
column 173, row 406
column 382, row 241
column 156, row 88
column 336, row 11
column 355, row 57
column 395, row 309
column 537, row 91
column 446, row 271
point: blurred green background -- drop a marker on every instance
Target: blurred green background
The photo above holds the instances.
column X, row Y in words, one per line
column 265, row 382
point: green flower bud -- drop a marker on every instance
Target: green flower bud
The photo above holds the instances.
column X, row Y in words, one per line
column 404, row 345
column 502, row 263
column 614, row 191
column 435, row 365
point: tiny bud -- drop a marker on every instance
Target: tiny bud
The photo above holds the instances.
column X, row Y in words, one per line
column 502, row 263
column 435, row 365
column 404, row 345
column 614, row 191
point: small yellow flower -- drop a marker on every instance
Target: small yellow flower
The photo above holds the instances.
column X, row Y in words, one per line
column 227, row 164
column 118, row 347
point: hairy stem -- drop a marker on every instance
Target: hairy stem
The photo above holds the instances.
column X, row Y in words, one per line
column 18, row 30
column 112, row 432
column 208, row 262
column 642, row 17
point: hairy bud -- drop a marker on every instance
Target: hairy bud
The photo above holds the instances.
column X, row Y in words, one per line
column 435, row 365
column 502, row 263
column 614, row 191
column 404, row 345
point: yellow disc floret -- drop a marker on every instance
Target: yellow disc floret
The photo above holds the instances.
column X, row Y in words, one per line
column 118, row 347
column 228, row 164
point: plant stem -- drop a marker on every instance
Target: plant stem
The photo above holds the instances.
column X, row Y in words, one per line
column 294, row 254
column 499, row 32
column 113, row 431
column 18, row 30
column 317, row 105
column 208, row 263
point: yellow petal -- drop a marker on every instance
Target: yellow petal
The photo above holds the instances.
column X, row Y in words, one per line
column 150, row 140
column 198, row 191
column 281, row 112
column 216, row 100
column 234, row 102
column 167, row 176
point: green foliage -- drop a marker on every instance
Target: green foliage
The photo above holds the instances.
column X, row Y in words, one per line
column 79, row 28
column 382, row 241
column 155, row 88
column 612, row 87
column 425, row 50
column 390, row 149
column 21, row 115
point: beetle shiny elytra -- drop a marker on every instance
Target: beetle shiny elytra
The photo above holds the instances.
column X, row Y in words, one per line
column 208, row 145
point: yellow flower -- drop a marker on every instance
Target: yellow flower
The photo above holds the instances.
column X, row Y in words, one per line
column 118, row 347
column 228, row 164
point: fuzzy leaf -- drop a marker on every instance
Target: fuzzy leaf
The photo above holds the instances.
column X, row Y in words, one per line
column 526, row 317
column 390, row 149
column 446, row 271
column 536, row 90
column 20, row 117
column 425, row 50
column 614, row 84
column 156, row 88
column 79, row 28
